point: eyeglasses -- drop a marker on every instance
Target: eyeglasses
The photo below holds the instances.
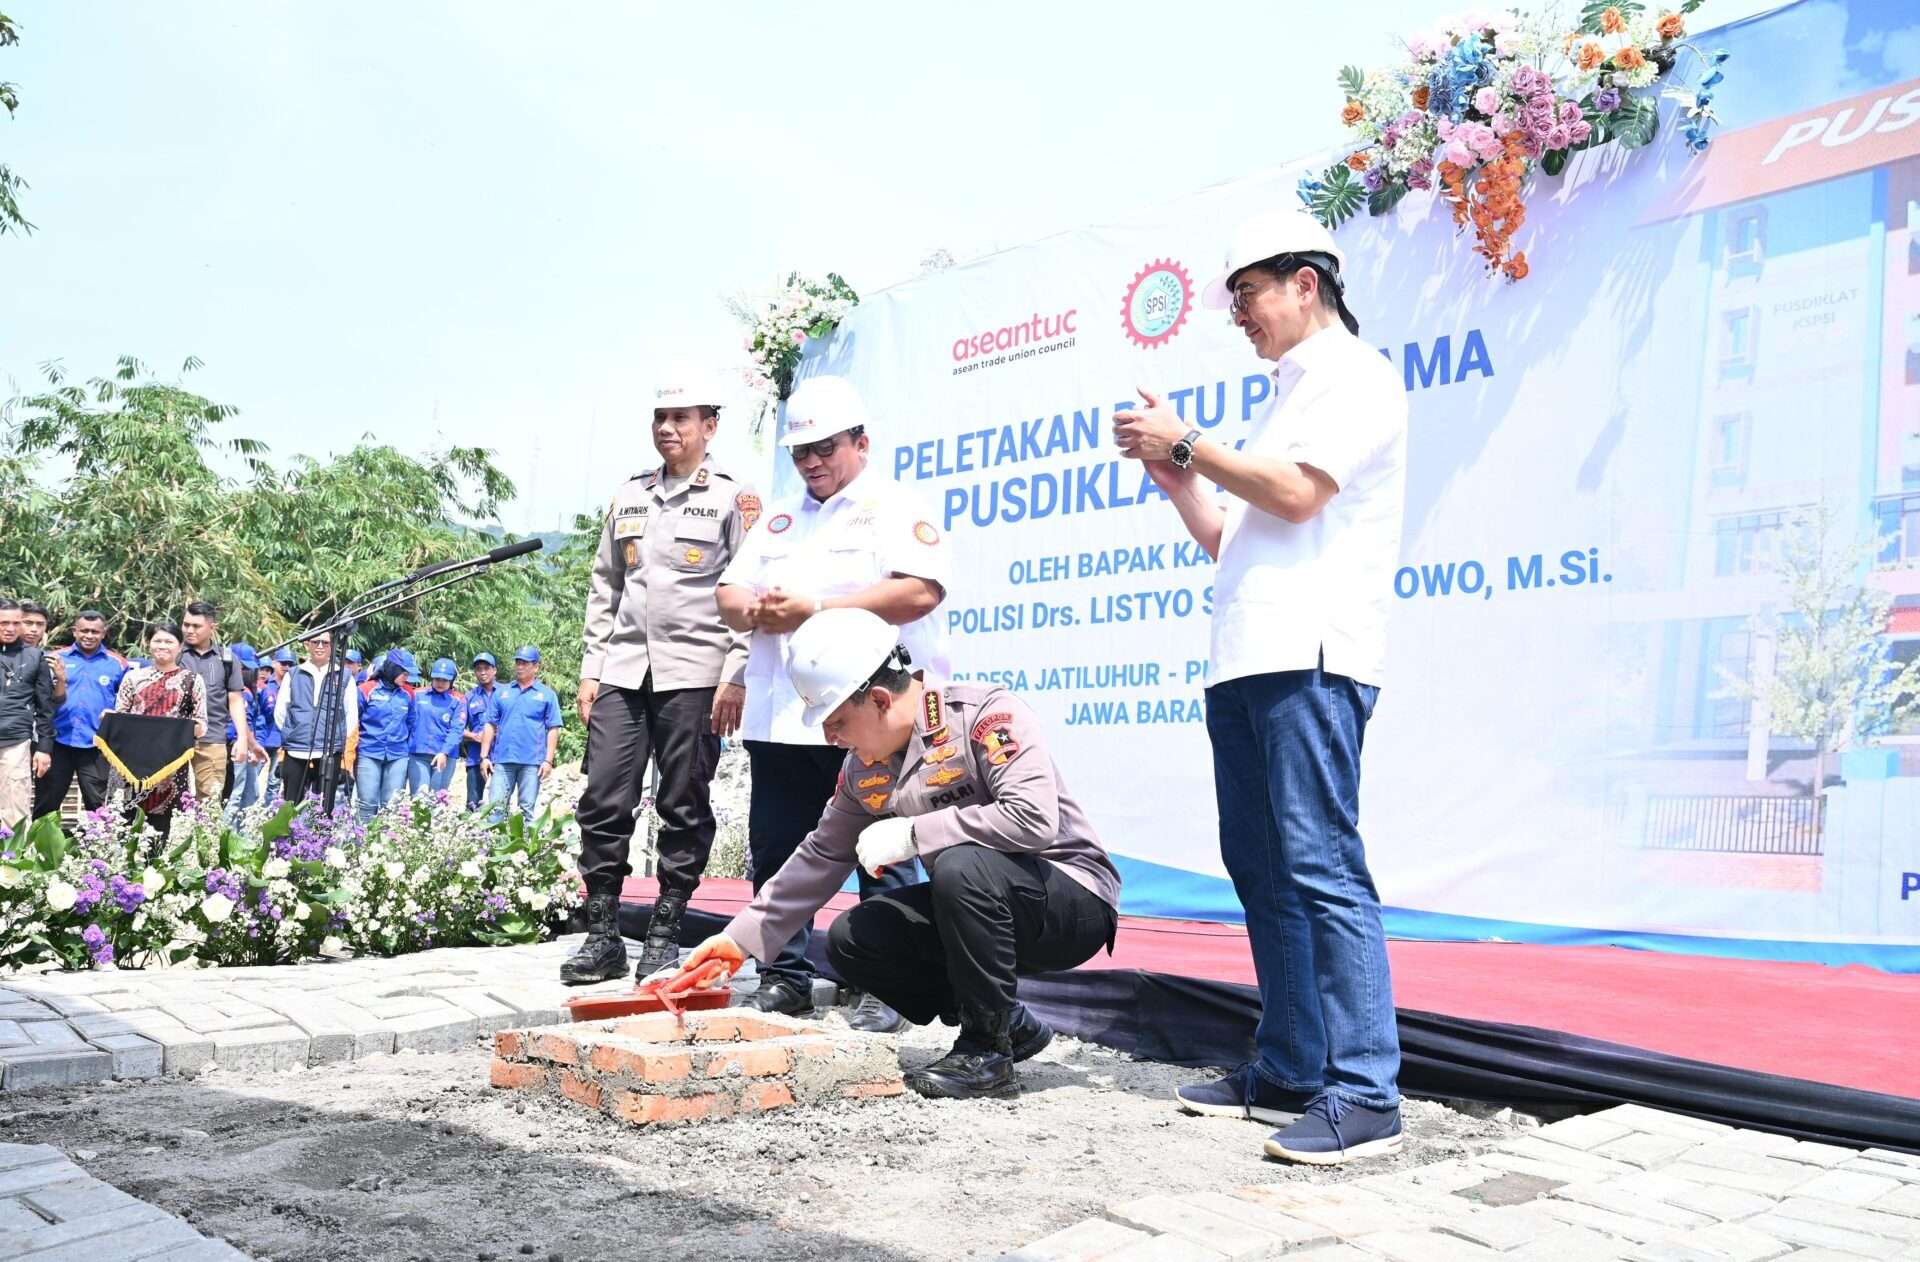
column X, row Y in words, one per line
column 1243, row 295
column 825, row 447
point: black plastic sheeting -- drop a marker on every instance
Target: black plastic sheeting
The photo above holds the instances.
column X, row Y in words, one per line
column 1194, row 1021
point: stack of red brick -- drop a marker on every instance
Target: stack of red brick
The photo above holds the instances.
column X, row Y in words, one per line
column 665, row 1069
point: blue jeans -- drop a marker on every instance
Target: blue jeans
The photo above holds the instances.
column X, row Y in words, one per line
column 476, row 787
column 1286, row 773
column 375, row 780
column 511, row 777
column 422, row 778
column 246, row 788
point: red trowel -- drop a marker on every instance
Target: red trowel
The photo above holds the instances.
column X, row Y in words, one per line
column 681, row 992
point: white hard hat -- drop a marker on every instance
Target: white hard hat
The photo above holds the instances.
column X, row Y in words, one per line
column 821, row 407
column 1267, row 235
column 687, row 387
column 833, row 654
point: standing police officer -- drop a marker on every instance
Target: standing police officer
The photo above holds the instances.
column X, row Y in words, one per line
column 853, row 539
column 660, row 675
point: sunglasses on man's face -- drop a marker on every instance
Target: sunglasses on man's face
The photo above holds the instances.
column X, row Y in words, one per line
column 821, row 450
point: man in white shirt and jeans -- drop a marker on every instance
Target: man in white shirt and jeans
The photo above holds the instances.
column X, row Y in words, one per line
column 1306, row 546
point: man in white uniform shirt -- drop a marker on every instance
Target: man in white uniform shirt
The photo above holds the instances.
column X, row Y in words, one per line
column 853, row 539
column 1306, row 543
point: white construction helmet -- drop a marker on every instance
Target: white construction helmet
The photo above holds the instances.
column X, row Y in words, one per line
column 821, row 407
column 684, row 386
column 833, row 654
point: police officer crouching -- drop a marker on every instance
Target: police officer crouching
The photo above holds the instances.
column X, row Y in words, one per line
column 959, row 776
column 661, row 676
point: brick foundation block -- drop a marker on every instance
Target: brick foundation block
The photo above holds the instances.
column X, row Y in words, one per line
column 661, row 1069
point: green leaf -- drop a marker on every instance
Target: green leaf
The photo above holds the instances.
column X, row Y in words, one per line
column 1386, row 199
column 280, row 824
column 46, row 838
column 1636, row 122
column 1554, row 161
column 1353, row 81
column 1339, row 197
column 1590, row 16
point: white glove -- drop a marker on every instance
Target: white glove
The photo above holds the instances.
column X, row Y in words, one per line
column 885, row 843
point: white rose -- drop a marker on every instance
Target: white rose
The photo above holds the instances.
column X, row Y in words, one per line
column 394, row 869
column 472, row 870
column 335, row 857
column 139, row 921
column 216, row 908
column 9, row 877
column 331, row 945
column 276, row 868
column 518, row 858
column 60, row 895
column 280, row 889
column 302, row 910
column 538, row 902
column 153, row 880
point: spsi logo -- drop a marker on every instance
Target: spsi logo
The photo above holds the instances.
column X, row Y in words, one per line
column 1157, row 303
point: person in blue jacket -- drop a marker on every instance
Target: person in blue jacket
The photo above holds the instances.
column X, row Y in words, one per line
column 266, row 732
column 482, row 699
column 439, row 721
column 386, row 733
column 243, row 776
column 520, row 744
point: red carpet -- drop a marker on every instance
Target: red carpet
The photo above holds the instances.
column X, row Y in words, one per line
column 1849, row 1027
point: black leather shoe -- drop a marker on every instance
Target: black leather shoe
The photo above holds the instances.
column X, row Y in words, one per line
column 1027, row 1034
column 979, row 1066
column 778, row 994
column 603, row 956
column 872, row 1016
column 662, row 946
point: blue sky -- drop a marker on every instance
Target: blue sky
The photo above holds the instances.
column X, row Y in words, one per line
column 494, row 224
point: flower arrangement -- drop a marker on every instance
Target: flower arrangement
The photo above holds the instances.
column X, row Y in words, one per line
column 285, row 884
column 1475, row 107
column 784, row 323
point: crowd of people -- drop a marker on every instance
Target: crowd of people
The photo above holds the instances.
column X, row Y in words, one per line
column 810, row 630
column 264, row 726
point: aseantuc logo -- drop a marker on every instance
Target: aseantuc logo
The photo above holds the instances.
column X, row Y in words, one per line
column 1030, row 332
column 1157, row 303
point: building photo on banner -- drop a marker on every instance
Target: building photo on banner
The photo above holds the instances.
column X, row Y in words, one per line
column 1661, row 564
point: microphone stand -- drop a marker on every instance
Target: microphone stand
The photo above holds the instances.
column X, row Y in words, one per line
column 330, row 706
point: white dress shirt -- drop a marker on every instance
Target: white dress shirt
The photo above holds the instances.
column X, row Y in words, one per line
column 1284, row 594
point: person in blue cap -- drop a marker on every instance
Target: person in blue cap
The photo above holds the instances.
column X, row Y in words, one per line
column 243, row 777
column 355, row 671
column 386, row 733
column 439, row 721
column 481, row 699
column 266, row 729
column 518, row 747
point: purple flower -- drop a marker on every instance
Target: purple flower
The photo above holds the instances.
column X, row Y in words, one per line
column 1606, row 100
column 98, row 948
column 1374, row 179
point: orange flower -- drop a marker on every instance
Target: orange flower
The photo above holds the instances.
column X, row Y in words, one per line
column 1629, row 58
column 1353, row 113
column 1516, row 267
column 1611, row 22
column 1591, row 56
column 1672, row 26
column 1420, row 95
column 1357, row 161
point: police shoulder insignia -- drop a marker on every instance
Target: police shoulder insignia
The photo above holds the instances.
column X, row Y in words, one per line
column 701, row 478
column 936, row 711
column 875, row 801
column 749, row 506
column 999, row 744
column 873, row 781
column 946, row 775
column 999, row 718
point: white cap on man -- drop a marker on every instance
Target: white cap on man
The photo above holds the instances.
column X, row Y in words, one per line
column 1289, row 236
column 833, row 654
column 821, row 407
column 688, row 387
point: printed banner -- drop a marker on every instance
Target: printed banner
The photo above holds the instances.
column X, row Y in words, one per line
column 1610, row 464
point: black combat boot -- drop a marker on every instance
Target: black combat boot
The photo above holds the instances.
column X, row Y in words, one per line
column 603, row 956
column 662, row 948
column 980, row 1064
column 1027, row 1035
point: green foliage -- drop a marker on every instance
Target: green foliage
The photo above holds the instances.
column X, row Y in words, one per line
column 11, row 220
column 1387, row 198
column 1337, row 197
column 1591, row 15
column 1635, row 122
column 124, row 472
column 1353, row 81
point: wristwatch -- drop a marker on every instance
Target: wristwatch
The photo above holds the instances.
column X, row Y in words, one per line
column 1182, row 452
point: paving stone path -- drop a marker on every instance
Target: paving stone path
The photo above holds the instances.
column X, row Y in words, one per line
column 59, row 1029
column 1630, row 1184
column 53, row 1211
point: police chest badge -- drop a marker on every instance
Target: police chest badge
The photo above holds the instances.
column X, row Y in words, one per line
column 946, row 775
column 876, row 801
column 873, row 781
column 694, row 556
column 943, row 753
